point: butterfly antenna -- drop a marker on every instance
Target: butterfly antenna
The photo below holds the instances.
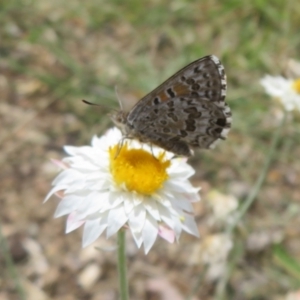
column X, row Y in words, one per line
column 119, row 98
column 99, row 105
column 90, row 103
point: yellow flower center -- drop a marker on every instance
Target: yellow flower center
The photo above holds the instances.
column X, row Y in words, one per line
column 138, row 169
column 296, row 85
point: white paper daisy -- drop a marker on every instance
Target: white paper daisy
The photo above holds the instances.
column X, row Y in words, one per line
column 106, row 188
column 286, row 90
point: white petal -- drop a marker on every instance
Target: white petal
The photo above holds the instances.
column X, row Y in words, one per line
column 189, row 225
column 54, row 190
column 92, row 230
column 115, row 199
column 128, row 205
column 182, row 204
column 180, row 187
column 71, row 150
column 166, row 233
column 177, row 227
column 116, row 219
column 105, row 203
column 163, row 198
column 82, row 164
column 151, row 207
column 73, row 222
column 67, row 176
column 166, row 215
column 275, row 86
column 95, row 141
column 191, row 197
column 150, row 231
column 113, row 135
column 136, row 219
column 75, row 186
column 180, row 170
column 67, row 205
column 98, row 185
column 138, row 238
column 59, row 164
column 92, row 204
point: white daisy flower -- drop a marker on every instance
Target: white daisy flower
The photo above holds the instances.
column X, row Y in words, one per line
column 286, row 90
column 210, row 252
column 105, row 188
column 222, row 205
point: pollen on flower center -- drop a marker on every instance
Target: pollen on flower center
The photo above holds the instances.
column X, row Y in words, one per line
column 138, row 169
column 296, row 85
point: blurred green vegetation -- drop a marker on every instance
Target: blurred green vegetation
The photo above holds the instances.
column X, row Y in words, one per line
column 77, row 50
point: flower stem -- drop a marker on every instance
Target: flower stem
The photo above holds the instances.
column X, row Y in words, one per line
column 122, row 266
column 260, row 180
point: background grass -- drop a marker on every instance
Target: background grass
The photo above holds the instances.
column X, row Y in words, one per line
column 54, row 54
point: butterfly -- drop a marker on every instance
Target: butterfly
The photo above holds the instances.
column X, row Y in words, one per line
column 187, row 111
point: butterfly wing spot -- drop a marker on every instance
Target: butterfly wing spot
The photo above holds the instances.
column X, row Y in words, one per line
column 190, row 81
column 221, row 122
column 195, row 86
column 156, row 101
column 190, row 110
column 170, row 104
column 197, row 70
column 193, row 112
column 195, row 115
column 183, row 133
column 217, row 130
column 190, row 125
column 171, row 93
column 172, row 116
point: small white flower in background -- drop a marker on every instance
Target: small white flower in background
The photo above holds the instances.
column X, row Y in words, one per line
column 214, row 252
column 292, row 295
column 222, row 205
column 106, row 188
column 215, row 248
column 286, row 90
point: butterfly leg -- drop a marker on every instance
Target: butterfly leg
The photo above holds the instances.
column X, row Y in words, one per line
column 151, row 147
column 120, row 145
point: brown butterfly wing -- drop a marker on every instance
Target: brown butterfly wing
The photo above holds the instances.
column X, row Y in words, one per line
column 188, row 109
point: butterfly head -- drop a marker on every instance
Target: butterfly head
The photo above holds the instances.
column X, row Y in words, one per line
column 120, row 119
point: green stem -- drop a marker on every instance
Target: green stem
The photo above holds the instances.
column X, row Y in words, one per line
column 122, row 266
column 260, row 180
